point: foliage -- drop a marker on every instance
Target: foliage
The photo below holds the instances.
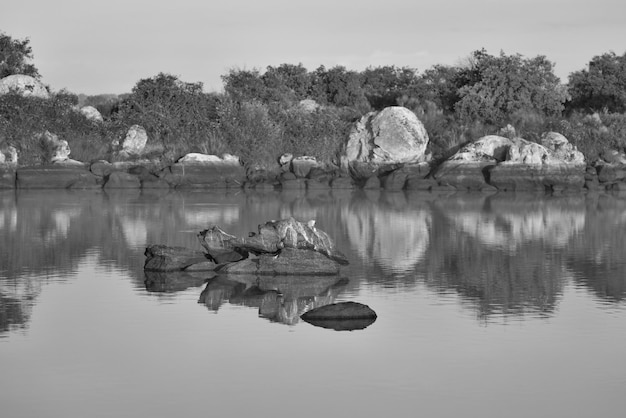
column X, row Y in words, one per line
column 601, row 86
column 15, row 57
column 249, row 131
column 595, row 134
column 24, row 119
column 177, row 115
column 383, row 86
column 497, row 87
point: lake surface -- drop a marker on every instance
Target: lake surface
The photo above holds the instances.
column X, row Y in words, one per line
column 488, row 306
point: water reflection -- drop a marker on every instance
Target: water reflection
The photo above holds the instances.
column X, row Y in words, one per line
column 504, row 254
column 279, row 298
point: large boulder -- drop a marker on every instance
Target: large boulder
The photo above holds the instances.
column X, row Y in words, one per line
column 8, row 155
column 24, row 85
column 58, row 150
column 91, row 113
column 133, row 143
column 468, row 168
column 514, row 164
column 393, row 135
column 165, row 258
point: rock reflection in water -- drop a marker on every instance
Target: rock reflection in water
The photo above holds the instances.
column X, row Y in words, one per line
column 397, row 239
column 278, row 298
column 175, row 281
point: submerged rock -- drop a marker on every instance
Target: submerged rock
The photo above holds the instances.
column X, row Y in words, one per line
column 344, row 316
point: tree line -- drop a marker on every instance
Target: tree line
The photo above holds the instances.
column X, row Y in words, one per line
column 260, row 114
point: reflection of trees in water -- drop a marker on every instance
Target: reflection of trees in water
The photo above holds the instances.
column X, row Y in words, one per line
column 502, row 253
column 597, row 257
column 14, row 313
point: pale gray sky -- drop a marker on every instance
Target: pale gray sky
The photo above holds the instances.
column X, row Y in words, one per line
column 106, row 46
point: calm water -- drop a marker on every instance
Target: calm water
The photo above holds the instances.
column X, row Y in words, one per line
column 488, row 306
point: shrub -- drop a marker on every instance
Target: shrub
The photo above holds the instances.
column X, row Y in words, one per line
column 24, row 119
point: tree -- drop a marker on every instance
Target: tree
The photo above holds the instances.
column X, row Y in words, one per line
column 173, row 112
column 15, row 55
column 242, row 85
column 383, row 86
column 498, row 87
column 601, row 86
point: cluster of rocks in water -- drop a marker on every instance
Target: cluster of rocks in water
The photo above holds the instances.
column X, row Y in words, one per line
column 285, row 248
column 385, row 149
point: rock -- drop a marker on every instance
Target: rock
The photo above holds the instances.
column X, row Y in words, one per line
column 91, row 113
column 342, row 183
column 372, row 183
column 121, row 180
column 165, row 258
column 394, row 181
column 301, row 166
column 54, row 177
column 285, row 162
column 196, row 157
column 134, row 142
column 220, row 246
column 547, row 177
column 562, row 149
column 393, row 135
column 514, row 164
column 175, row 281
column 101, row 168
column 344, row 316
column 293, row 184
column 8, row 156
column 58, row 150
column 273, row 236
column 613, row 157
column 24, row 85
column 287, row 261
column 216, row 173
column 308, row 105
column 611, row 173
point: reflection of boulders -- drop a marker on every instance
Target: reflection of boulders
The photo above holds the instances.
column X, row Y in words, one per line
column 279, row 298
column 509, row 223
column 175, row 281
column 493, row 278
column 344, row 316
column 396, row 239
column 596, row 255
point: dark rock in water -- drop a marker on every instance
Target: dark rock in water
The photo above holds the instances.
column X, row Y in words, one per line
column 175, row 281
column 341, row 324
column 343, row 310
column 164, row 258
column 344, row 316
column 272, row 237
column 288, row 261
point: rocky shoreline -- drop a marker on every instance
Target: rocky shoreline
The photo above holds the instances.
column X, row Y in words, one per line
column 385, row 150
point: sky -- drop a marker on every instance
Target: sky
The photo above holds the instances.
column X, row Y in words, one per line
column 107, row 46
